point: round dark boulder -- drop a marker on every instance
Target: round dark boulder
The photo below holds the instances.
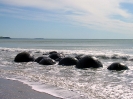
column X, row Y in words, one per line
column 117, row 66
column 88, row 62
column 39, row 59
column 24, row 57
column 47, row 61
column 52, row 52
column 55, row 56
column 68, row 61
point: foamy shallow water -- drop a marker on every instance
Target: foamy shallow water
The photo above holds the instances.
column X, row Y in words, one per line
column 69, row 82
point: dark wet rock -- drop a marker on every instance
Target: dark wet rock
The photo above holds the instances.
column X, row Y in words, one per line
column 117, row 66
column 24, row 57
column 55, row 56
column 47, row 61
column 59, row 59
column 88, row 62
column 68, row 61
column 39, row 59
column 52, row 52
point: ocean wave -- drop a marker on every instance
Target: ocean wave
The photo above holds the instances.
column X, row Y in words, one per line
column 76, row 53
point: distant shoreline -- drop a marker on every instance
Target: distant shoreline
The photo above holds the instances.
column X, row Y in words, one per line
column 4, row 37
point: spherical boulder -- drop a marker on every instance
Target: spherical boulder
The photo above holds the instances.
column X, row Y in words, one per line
column 24, row 57
column 117, row 66
column 52, row 52
column 68, row 61
column 55, row 56
column 88, row 62
column 39, row 59
column 47, row 61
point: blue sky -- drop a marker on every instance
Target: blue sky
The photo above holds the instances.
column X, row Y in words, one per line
column 76, row 19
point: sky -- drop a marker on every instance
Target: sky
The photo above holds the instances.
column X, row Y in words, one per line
column 67, row 19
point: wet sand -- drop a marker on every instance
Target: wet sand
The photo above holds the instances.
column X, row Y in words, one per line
column 17, row 90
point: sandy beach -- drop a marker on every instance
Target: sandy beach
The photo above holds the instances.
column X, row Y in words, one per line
column 17, row 90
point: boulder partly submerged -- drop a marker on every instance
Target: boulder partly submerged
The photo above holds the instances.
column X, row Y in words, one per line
column 23, row 57
column 56, row 56
column 38, row 59
column 88, row 62
column 68, row 61
column 53, row 52
column 47, row 61
column 117, row 66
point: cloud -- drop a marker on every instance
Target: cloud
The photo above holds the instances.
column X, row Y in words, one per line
column 97, row 14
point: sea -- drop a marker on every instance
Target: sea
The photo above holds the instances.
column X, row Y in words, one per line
column 68, row 82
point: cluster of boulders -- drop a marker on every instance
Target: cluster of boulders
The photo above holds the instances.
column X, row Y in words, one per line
column 80, row 62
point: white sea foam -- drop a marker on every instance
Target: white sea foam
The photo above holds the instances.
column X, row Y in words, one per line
column 53, row 90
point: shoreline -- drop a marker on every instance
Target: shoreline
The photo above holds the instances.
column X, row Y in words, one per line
column 10, row 89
